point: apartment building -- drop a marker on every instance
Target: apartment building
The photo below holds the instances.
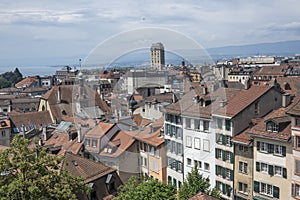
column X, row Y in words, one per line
column 231, row 119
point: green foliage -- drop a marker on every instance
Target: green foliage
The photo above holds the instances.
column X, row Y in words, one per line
column 8, row 79
column 194, row 184
column 141, row 188
column 32, row 174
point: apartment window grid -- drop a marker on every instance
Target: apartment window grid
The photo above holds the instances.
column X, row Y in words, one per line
column 243, row 188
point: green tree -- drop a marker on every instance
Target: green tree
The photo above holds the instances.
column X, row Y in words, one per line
column 30, row 173
column 140, row 188
column 194, row 184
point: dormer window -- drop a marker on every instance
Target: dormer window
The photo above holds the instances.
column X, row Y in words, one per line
column 272, row 127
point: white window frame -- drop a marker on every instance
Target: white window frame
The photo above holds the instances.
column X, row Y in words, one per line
column 206, row 145
column 261, row 167
column 188, row 141
column 278, row 150
column 197, row 143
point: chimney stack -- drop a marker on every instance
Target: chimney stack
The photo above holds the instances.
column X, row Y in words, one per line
column 79, row 133
column 222, row 103
column 58, row 94
column 44, row 133
column 286, row 100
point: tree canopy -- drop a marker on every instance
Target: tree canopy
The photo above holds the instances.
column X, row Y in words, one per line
column 8, row 79
column 31, row 173
column 194, row 184
column 141, row 188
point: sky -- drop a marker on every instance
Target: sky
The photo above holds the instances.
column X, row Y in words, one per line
column 53, row 32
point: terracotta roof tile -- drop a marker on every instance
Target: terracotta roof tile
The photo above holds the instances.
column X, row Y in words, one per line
column 27, row 82
column 242, row 100
column 31, row 118
column 88, row 169
column 101, row 129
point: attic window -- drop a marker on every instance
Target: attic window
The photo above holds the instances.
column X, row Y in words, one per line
column 3, row 123
column 63, row 112
column 272, row 127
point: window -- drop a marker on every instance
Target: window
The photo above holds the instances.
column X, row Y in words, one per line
column 266, row 189
column 189, row 161
column 179, row 132
column 278, row 149
column 227, row 156
column 228, row 140
column 297, row 121
column 278, row 170
column 243, row 187
column 227, row 174
column 243, row 167
column 206, row 146
column 205, row 126
column 297, row 190
column 198, row 164
column 179, row 147
column 174, row 149
column 297, row 142
column 219, row 138
column 264, row 167
column 206, row 166
column 197, row 124
column 272, row 127
column 218, row 153
column 94, row 143
column 188, row 141
column 3, row 133
column 297, row 167
column 263, row 147
column 220, row 123
column 187, row 123
column 218, row 170
column 243, row 148
column 197, row 143
column 179, row 166
column 145, row 162
column 87, row 142
column 227, row 125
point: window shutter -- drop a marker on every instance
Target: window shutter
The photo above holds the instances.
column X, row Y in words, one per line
column 217, row 171
column 292, row 141
column 231, row 158
column 176, row 165
column 258, row 145
column 284, row 174
column 224, row 188
column 283, row 150
column 223, row 173
column 276, row 192
column 293, row 190
column 231, row 175
column 257, row 166
column 175, row 133
column 176, row 149
column 256, row 186
column 223, row 155
column 216, row 152
column 271, row 170
column 270, row 148
column 224, row 139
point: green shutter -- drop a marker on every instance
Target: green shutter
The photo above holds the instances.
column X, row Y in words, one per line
column 223, row 188
column 220, row 123
column 228, row 190
column 223, row 173
column 223, row 155
column 175, row 131
column 276, row 192
column 256, row 186
column 231, row 158
column 231, row 175
column 283, row 150
column 270, row 148
column 257, row 166
column 258, row 145
column 216, row 153
column 216, row 170
column 176, row 165
column 271, row 170
column 224, row 139
column 284, row 174
column 293, row 190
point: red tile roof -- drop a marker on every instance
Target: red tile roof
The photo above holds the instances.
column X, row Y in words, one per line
column 202, row 196
column 100, row 130
column 27, row 82
column 88, row 169
column 151, row 135
column 242, row 101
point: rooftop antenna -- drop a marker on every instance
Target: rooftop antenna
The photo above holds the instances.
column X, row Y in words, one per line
column 80, row 64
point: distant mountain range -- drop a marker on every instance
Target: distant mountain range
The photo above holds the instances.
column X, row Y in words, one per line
column 284, row 48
